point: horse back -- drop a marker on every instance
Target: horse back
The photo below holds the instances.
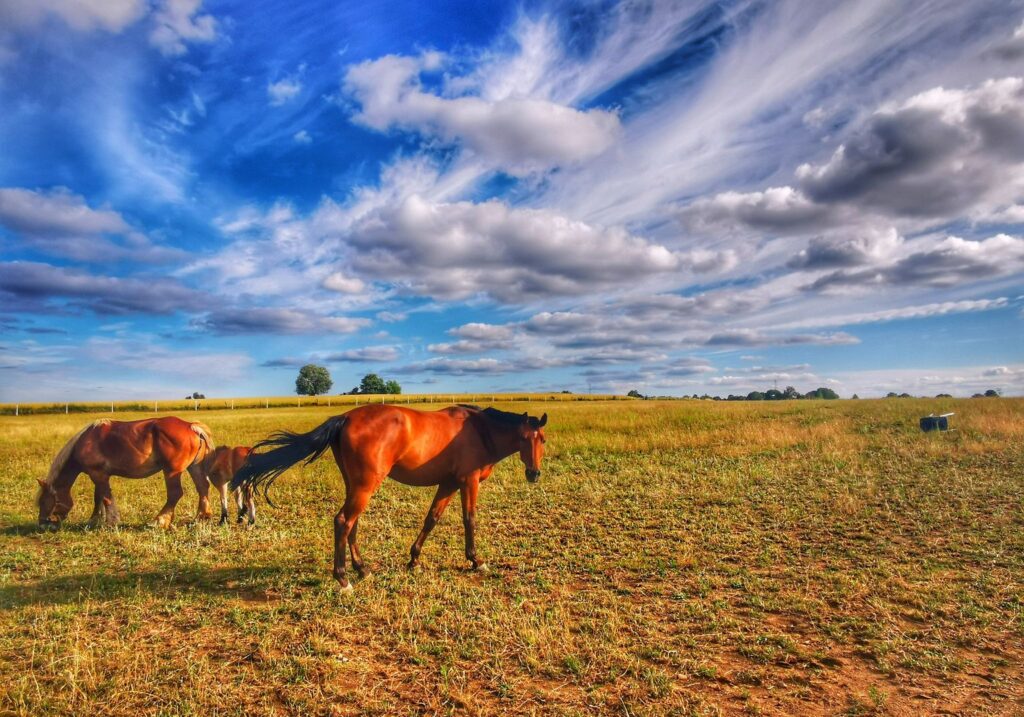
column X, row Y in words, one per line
column 136, row 449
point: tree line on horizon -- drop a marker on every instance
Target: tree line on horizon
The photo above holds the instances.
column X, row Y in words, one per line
column 315, row 380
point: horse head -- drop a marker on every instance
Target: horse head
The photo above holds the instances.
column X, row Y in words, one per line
column 51, row 510
column 531, row 444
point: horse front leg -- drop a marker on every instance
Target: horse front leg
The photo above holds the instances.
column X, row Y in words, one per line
column 468, row 493
column 166, row 515
column 441, row 499
column 202, row 484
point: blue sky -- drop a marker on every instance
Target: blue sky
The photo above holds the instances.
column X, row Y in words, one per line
column 679, row 197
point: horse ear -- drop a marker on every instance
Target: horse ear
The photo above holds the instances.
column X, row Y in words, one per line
column 543, row 421
column 41, row 482
column 526, row 416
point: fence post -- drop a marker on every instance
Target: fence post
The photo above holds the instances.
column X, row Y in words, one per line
column 111, row 406
column 16, row 409
column 232, row 404
column 65, row 408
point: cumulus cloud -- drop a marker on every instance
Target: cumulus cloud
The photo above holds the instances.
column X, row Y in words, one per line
column 456, row 250
column 47, row 284
column 302, row 137
column 862, row 246
column 55, row 212
column 110, row 15
column 343, row 284
column 366, row 354
column 775, row 210
column 752, row 337
column 520, row 134
column 283, row 91
column 60, row 223
column 938, row 154
column 177, row 22
column 948, row 263
column 276, row 321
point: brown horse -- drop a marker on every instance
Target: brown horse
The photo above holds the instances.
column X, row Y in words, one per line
column 453, row 448
column 219, row 467
column 132, row 449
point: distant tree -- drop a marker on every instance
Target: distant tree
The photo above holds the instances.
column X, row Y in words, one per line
column 943, row 395
column 565, row 390
column 992, row 393
column 978, row 395
column 790, row 393
column 855, row 396
column 196, row 395
column 372, row 383
column 635, row 394
column 392, row 387
column 825, row 393
column 755, row 396
column 773, row 394
column 905, row 395
column 892, row 394
column 313, row 380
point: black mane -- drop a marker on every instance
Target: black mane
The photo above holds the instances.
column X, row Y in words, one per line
column 505, row 417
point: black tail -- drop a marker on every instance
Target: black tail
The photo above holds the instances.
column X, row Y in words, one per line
column 286, row 449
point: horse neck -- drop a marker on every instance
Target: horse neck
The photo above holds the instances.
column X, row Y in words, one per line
column 66, row 478
column 506, row 441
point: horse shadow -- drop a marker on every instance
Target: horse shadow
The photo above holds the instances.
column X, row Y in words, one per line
column 250, row 584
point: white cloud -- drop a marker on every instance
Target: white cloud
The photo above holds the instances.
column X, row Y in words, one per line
column 110, row 15
column 343, row 284
column 520, row 134
column 456, row 250
column 906, row 312
column 949, row 262
column 177, row 22
column 302, row 137
column 277, row 321
column 284, row 91
column 938, row 154
column 55, row 212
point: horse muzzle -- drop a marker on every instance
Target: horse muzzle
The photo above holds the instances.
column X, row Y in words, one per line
column 51, row 524
column 532, row 474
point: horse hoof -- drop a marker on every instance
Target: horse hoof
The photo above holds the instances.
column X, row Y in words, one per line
column 346, row 588
column 482, row 568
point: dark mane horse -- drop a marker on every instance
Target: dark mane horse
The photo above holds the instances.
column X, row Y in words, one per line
column 454, row 449
column 131, row 449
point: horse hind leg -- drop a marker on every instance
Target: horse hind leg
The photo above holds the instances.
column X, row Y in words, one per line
column 246, row 498
column 357, row 558
column 223, row 489
column 344, row 522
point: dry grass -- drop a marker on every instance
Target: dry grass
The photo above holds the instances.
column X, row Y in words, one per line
column 676, row 558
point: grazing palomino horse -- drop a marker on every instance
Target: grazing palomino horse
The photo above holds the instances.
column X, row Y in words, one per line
column 454, row 448
column 132, row 449
column 219, row 468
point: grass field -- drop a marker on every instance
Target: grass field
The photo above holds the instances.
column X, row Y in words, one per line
column 676, row 558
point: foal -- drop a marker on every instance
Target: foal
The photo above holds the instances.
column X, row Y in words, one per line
column 454, row 449
column 219, row 467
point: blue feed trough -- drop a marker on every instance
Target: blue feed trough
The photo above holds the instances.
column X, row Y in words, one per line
column 935, row 423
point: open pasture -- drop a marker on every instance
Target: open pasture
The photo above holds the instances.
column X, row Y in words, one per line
column 682, row 557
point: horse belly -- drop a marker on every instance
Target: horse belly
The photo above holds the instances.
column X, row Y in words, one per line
column 420, row 476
